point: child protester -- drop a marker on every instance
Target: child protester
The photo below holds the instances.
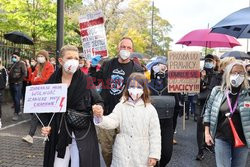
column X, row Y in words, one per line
column 138, row 142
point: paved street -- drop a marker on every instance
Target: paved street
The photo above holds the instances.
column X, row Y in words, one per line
column 16, row 153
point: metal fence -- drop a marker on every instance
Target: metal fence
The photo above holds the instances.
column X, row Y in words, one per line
column 7, row 48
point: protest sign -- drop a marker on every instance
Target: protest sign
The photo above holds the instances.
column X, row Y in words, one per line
column 46, row 98
column 184, row 72
column 93, row 35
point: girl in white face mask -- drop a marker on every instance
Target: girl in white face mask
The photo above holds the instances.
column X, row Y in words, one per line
column 139, row 140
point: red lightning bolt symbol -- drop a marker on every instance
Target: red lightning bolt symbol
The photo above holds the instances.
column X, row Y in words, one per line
column 69, row 68
column 61, row 103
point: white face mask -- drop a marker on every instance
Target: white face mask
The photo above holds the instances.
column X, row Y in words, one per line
column 81, row 65
column 156, row 68
column 70, row 66
column 41, row 60
column 135, row 93
column 124, row 54
column 236, row 80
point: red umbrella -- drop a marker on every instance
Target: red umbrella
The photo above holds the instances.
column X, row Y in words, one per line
column 205, row 38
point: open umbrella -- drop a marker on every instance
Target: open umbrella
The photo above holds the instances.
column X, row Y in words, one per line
column 236, row 54
column 156, row 60
column 136, row 54
column 18, row 38
column 236, row 24
column 203, row 37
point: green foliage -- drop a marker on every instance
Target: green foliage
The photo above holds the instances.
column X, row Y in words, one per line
column 36, row 18
column 206, row 51
column 132, row 18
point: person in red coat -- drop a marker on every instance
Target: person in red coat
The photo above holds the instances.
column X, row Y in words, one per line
column 43, row 70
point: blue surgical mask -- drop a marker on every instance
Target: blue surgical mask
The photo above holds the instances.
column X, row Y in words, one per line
column 209, row 65
column 14, row 60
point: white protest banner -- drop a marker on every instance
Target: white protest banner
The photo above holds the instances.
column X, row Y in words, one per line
column 46, row 98
column 93, row 35
column 184, row 72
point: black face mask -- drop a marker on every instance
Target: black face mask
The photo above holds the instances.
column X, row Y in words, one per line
column 248, row 72
column 160, row 75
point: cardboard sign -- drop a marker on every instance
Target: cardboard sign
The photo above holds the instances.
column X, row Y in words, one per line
column 46, row 98
column 184, row 72
column 93, row 35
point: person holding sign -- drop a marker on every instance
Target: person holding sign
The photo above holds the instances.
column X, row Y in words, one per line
column 226, row 118
column 138, row 143
column 166, row 104
column 43, row 70
column 72, row 136
column 113, row 77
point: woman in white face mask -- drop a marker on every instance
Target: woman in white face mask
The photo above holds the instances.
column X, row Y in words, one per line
column 43, row 70
column 139, row 140
column 226, row 118
column 70, row 142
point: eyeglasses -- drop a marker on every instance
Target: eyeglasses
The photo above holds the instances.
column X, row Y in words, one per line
column 238, row 73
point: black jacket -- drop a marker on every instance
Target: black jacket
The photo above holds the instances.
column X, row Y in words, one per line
column 3, row 78
column 156, row 89
column 79, row 98
column 17, row 72
column 211, row 80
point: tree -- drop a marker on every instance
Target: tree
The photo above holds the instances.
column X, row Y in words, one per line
column 132, row 19
column 37, row 18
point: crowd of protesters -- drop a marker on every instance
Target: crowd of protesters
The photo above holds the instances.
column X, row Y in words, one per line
column 129, row 111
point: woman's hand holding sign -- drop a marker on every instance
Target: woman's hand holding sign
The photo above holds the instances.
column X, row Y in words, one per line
column 46, row 131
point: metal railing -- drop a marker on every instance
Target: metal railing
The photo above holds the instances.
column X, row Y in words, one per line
column 7, row 48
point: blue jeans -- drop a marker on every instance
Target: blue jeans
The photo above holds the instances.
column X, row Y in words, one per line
column 16, row 93
column 228, row 156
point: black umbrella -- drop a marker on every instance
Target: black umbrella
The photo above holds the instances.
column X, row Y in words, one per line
column 236, row 54
column 236, row 24
column 18, row 38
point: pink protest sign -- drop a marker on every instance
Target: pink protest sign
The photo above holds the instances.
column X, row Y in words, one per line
column 184, row 72
column 46, row 98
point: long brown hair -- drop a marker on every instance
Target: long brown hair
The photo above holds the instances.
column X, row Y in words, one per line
column 46, row 55
column 142, row 80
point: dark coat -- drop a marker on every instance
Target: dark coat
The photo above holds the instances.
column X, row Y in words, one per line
column 59, row 139
column 103, row 75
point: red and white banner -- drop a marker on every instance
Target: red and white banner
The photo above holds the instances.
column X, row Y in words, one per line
column 93, row 35
column 184, row 72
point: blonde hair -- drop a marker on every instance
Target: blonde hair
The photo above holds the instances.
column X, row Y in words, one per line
column 226, row 76
column 68, row 48
column 226, row 61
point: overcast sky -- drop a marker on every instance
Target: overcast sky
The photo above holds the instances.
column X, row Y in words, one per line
column 188, row 15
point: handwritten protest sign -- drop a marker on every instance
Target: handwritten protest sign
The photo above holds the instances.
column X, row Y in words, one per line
column 184, row 72
column 47, row 98
column 93, row 35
